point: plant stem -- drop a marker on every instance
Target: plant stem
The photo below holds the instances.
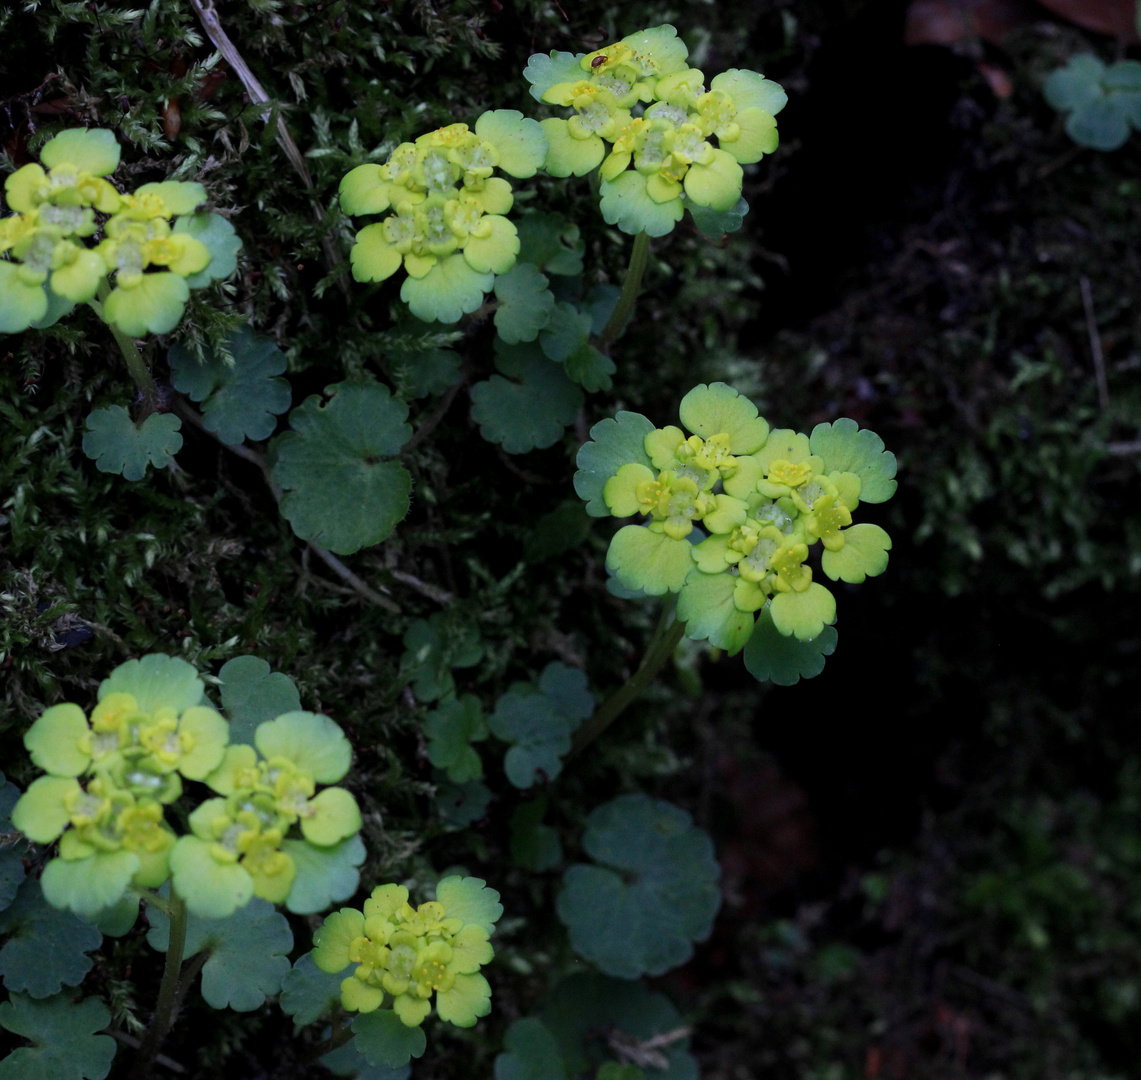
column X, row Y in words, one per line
column 668, row 633
column 631, row 286
column 168, row 991
column 148, row 388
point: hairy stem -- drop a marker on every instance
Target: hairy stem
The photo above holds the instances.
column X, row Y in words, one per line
column 168, row 991
column 668, row 633
column 631, row 286
column 148, row 388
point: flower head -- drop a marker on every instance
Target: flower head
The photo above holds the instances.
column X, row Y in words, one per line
column 408, row 955
column 447, row 225
column 46, row 264
column 658, row 136
column 764, row 499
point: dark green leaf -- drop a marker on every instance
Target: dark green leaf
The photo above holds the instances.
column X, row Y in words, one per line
column 528, row 410
column 550, row 242
column 65, row 1046
column 382, row 1039
column 539, row 720
column 771, row 656
column 614, row 442
column 534, row 846
column 653, row 893
column 340, row 492
column 46, row 948
column 590, row 369
column 432, row 647
column 307, row 992
column 563, row 528
column 716, row 223
column 525, row 303
column 247, row 953
column 252, row 694
column 565, row 333
column 451, row 729
column 530, row 1052
column 325, row 875
column 462, row 804
column 585, row 1012
column 243, row 399
column 116, row 445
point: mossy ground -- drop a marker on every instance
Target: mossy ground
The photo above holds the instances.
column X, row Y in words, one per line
column 931, row 852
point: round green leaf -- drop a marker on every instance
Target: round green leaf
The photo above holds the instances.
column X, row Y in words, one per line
column 340, row 493
column 625, row 204
column 157, row 682
column 530, row 408
column 705, row 604
column 116, row 445
column 94, row 150
column 252, row 694
column 585, row 1009
column 539, row 721
column 219, row 238
column 1101, row 124
column 771, row 656
column 64, row 1043
column 243, row 399
column 652, row 893
column 545, row 70
column 470, row 899
column 382, row 1039
column 311, row 741
column 325, row 875
column 644, row 559
column 845, row 447
column 247, row 953
column 448, row 291
column 308, row 993
column 863, row 555
column 46, row 948
column 1076, row 84
column 153, row 305
column 613, row 443
column 520, row 141
column 525, row 303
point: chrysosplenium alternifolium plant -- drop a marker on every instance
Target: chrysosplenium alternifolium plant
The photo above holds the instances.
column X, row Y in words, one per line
column 408, row 954
column 763, row 499
column 111, row 776
column 153, row 243
column 646, row 120
column 447, row 228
